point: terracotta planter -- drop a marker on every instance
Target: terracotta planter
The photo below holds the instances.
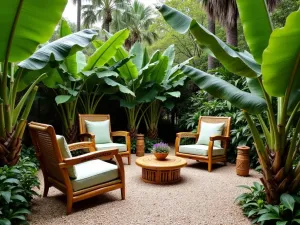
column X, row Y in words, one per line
column 161, row 156
column 242, row 161
column 140, row 145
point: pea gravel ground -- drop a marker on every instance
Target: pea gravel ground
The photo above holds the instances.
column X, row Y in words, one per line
column 200, row 198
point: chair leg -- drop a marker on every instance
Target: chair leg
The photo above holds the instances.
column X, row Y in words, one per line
column 46, row 187
column 69, row 204
column 123, row 193
column 129, row 159
column 209, row 166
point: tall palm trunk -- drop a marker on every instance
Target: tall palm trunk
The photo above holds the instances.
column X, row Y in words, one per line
column 78, row 15
column 232, row 34
column 212, row 62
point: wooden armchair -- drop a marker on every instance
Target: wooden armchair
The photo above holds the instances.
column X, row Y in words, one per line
column 90, row 176
column 124, row 149
column 206, row 153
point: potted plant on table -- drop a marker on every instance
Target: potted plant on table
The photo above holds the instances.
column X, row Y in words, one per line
column 161, row 150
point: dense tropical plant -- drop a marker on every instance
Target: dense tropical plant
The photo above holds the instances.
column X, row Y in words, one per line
column 137, row 18
column 26, row 24
column 102, row 10
column 269, row 88
column 16, row 191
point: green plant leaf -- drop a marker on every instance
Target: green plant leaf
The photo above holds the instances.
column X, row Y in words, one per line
column 121, row 87
column 252, row 13
column 18, row 197
column 60, row 99
column 34, row 21
column 12, row 181
column 104, row 53
column 221, row 89
column 296, row 220
column 275, row 60
column 244, row 186
column 288, row 201
column 175, row 94
column 281, row 222
column 137, row 50
column 22, row 211
column 58, row 50
column 159, row 72
column 268, row 216
column 5, row 221
column 170, row 53
column 240, row 63
column 6, row 195
column 252, row 212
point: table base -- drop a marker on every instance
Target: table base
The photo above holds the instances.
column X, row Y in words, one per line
column 161, row 176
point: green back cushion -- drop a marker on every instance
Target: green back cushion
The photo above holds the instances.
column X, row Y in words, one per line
column 64, row 149
column 210, row 129
column 100, row 129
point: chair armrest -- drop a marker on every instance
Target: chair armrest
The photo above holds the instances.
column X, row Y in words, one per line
column 187, row 134
column 119, row 133
column 86, row 135
column 221, row 138
column 80, row 145
column 86, row 157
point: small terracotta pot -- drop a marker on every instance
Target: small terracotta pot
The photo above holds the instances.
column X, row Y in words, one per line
column 161, row 156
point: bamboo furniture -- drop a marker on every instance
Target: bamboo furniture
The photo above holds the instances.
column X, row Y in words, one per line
column 55, row 167
column 160, row 171
column 84, row 135
column 209, row 158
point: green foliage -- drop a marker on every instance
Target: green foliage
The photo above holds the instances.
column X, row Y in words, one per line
column 16, row 191
column 29, row 153
column 149, row 142
column 255, row 207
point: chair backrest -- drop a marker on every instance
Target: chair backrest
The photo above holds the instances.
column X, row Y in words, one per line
column 91, row 117
column 44, row 140
column 215, row 119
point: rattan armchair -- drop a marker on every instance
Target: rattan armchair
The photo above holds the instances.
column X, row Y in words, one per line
column 56, row 171
column 210, row 157
column 124, row 149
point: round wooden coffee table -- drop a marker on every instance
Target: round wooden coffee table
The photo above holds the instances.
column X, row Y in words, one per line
column 160, row 172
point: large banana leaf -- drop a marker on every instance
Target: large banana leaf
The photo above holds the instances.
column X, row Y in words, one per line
column 160, row 71
column 170, row 53
column 240, row 63
column 222, row 89
column 281, row 60
column 58, row 50
column 25, row 24
column 103, row 54
column 256, row 24
column 137, row 50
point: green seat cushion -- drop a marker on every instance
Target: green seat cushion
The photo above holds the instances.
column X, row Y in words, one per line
column 100, row 129
column 106, row 146
column 200, row 150
column 94, row 172
column 66, row 153
column 208, row 130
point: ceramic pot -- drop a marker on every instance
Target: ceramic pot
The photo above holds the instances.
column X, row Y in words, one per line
column 161, row 156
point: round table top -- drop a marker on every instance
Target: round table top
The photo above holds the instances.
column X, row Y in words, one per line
column 150, row 162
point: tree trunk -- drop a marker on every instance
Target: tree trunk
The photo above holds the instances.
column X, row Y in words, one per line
column 152, row 133
column 133, row 132
column 105, row 26
column 78, row 15
column 71, row 134
column 10, row 149
column 212, row 62
column 232, row 34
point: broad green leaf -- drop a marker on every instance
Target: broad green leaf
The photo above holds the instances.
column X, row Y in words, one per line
column 69, row 90
column 22, row 211
column 6, row 195
column 34, row 22
column 58, row 50
column 160, row 70
column 240, row 63
column 5, row 221
column 268, row 216
column 121, row 87
column 175, row 94
column 12, row 181
column 170, row 53
column 137, row 50
column 161, row 98
column 145, row 57
column 20, row 217
column 281, row 222
column 288, row 201
column 244, row 186
column 18, row 197
column 155, row 56
column 222, row 89
column 104, row 53
column 281, row 65
column 60, row 99
column 146, row 95
column 252, row 212
column 257, row 25
column 64, row 28
column 254, row 86
column 296, row 220
column 101, row 74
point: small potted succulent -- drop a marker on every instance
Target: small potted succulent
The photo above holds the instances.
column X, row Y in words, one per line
column 161, row 150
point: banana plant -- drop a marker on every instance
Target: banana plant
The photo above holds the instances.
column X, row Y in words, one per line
column 25, row 25
column 168, row 81
column 76, row 75
column 273, row 75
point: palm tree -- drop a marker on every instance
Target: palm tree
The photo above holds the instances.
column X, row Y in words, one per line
column 78, row 2
column 226, row 12
column 101, row 10
column 137, row 19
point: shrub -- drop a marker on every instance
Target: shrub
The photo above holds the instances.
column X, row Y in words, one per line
column 16, row 191
column 255, row 207
column 29, row 152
